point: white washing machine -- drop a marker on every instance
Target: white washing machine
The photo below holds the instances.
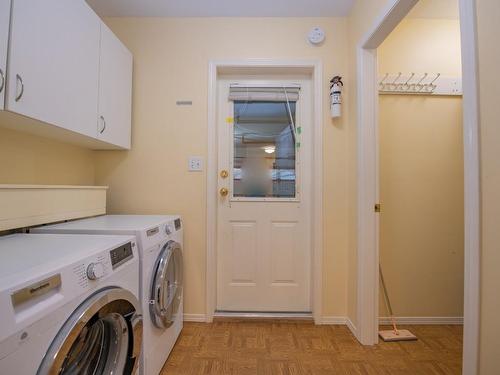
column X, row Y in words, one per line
column 160, row 241
column 69, row 305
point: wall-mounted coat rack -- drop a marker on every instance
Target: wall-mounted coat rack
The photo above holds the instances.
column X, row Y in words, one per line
column 419, row 84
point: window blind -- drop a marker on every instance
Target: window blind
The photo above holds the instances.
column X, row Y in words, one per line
column 264, row 93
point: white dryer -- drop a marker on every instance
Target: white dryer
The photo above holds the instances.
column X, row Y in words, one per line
column 160, row 240
column 69, row 305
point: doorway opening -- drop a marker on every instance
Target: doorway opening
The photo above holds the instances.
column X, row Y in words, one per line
column 421, row 179
column 264, row 189
column 369, row 175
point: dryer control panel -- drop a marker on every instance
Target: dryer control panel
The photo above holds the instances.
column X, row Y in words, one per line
column 173, row 226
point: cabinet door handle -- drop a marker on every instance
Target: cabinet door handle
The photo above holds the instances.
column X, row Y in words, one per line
column 20, row 80
column 2, row 77
column 103, row 124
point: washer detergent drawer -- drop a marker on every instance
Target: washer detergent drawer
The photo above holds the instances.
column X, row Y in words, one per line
column 152, row 236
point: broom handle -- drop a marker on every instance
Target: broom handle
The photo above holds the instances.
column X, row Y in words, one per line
column 387, row 300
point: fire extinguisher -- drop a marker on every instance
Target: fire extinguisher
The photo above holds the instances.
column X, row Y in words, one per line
column 336, row 96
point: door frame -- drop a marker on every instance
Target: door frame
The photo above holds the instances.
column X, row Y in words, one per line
column 313, row 67
column 368, row 176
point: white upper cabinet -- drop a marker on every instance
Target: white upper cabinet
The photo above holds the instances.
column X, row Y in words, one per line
column 115, row 90
column 4, row 41
column 54, row 63
column 68, row 76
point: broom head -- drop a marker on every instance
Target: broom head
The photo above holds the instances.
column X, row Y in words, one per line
column 399, row 335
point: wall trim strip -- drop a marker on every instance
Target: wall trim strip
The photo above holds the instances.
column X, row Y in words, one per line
column 423, row 320
column 200, row 318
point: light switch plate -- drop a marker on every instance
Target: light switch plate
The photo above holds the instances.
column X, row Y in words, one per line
column 195, row 164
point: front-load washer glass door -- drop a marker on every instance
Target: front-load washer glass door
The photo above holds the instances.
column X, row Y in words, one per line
column 102, row 337
column 166, row 287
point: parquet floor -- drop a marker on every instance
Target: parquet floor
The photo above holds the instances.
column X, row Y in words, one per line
column 301, row 348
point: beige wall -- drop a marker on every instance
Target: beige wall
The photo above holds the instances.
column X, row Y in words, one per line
column 26, row 159
column 421, row 175
column 488, row 16
column 422, row 45
column 171, row 63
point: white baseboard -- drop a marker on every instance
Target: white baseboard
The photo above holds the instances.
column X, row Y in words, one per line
column 340, row 320
column 431, row 320
column 333, row 320
column 352, row 327
column 262, row 315
column 195, row 318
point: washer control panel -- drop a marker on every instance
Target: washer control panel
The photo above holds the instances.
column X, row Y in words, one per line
column 121, row 254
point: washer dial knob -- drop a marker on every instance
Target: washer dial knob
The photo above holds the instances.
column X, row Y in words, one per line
column 95, row 271
column 168, row 229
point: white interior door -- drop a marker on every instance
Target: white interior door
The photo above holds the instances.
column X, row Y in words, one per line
column 263, row 231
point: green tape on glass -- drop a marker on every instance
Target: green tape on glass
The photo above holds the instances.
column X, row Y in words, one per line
column 299, row 130
column 297, row 144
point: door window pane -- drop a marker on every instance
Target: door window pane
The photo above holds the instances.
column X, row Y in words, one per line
column 264, row 150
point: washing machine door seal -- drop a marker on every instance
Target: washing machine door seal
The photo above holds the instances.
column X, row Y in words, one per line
column 166, row 285
column 102, row 336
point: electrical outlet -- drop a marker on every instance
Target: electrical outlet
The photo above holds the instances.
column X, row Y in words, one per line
column 195, row 164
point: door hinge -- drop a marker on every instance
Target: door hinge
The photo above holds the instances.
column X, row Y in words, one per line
column 377, row 207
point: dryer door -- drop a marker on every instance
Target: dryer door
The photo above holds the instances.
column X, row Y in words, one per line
column 166, row 287
column 102, row 336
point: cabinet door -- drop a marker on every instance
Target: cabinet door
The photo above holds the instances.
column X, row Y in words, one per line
column 54, row 63
column 115, row 90
column 4, row 40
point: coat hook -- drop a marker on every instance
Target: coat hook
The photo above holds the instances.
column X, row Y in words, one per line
column 419, row 85
column 432, row 86
column 406, row 83
column 381, row 83
column 393, row 84
column 434, row 80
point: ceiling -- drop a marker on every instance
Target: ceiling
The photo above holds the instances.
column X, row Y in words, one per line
column 221, row 8
column 447, row 9
column 444, row 9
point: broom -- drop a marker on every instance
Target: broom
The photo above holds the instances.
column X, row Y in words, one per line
column 395, row 334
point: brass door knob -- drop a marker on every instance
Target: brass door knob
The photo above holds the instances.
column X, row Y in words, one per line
column 224, row 173
column 223, row 192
